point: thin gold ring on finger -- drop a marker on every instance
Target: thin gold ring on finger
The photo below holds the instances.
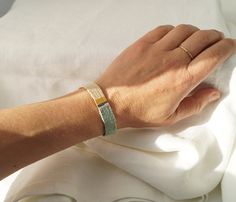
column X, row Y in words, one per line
column 186, row 51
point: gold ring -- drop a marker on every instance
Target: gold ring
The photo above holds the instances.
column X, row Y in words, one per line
column 186, row 51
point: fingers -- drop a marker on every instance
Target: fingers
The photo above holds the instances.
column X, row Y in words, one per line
column 194, row 104
column 210, row 58
column 156, row 34
column 176, row 36
column 199, row 41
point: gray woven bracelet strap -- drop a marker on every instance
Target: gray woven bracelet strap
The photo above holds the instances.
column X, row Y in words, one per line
column 104, row 108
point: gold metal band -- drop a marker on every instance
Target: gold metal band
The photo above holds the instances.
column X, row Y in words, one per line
column 186, row 51
column 104, row 108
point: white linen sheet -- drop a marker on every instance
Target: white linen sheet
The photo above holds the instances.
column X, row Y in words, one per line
column 51, row 47
column 81, row 175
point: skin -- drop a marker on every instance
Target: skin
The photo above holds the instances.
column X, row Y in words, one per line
column 150, row 83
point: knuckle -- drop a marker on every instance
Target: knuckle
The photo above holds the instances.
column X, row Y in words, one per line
column 160, row 30
column 165, row 27
column 183, row 26
column 189, row 77
column 139, row 47
column 204, row 35
column 219, row 34
column 186, row 27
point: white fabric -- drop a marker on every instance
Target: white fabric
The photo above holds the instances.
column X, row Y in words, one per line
column 82, row 176
column 51, row 47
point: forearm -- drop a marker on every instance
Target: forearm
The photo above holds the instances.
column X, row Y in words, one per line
column 32, row 132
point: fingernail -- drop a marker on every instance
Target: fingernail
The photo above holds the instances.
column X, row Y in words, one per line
column 214, row 96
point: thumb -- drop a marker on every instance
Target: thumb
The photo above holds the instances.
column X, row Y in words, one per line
column 195, row 103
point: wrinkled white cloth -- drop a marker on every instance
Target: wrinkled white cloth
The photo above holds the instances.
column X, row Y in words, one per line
column 51, row 47
column 79, row 175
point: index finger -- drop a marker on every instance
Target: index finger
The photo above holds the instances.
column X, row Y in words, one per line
column 208, row 60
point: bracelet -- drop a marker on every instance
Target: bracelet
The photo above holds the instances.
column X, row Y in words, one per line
column 104, row 108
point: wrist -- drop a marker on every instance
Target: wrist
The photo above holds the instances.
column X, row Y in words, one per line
column 112, row 97
column 91, row 114
column 104, row 108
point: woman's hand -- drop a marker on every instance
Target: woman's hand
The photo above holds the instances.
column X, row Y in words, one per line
column 146, row 85
column 150, row 83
